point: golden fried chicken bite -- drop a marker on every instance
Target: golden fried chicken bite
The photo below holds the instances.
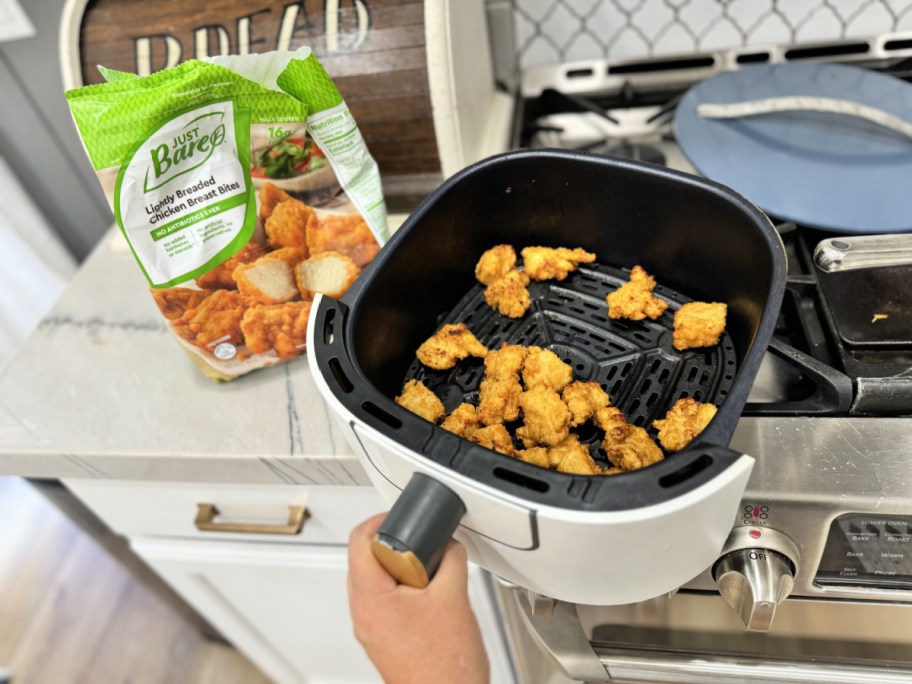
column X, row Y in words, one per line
column 627, row 446
column 494, row 263
column 421, row 401
column 216, row 319
column 508, row 294
column 584, row 399
column 452, row 343
column 498, row 400
column 570, row 456
column 347, row 234
column 494, row 437
column 288, row 224
column 534, row 455
column 269, row 279
column 173, row 302
column 698, row 324
column 222, row 276
column 290, row 255
column 553, row 263
column 546, row 419
column 282, row 327
column 634, row 300
column 330, row 273
column 505, row 362
column 544, row 368
column 683, row 422
column 462, row 420
column 500, row 388
column 269, row 197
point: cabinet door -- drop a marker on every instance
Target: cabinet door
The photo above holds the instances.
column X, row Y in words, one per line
column 284, row 607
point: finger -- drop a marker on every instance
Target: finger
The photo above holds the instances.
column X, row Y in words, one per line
column 364, row 571
column 454, row 568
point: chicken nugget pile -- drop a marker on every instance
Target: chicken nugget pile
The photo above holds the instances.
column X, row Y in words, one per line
column 257, row 302
column 506, row 285
column 530, row 406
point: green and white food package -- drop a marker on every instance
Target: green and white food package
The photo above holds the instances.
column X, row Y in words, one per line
column 194, row 162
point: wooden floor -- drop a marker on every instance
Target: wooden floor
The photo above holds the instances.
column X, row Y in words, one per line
column 71, row 613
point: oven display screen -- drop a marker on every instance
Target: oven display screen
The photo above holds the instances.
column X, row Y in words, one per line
column 868, row 550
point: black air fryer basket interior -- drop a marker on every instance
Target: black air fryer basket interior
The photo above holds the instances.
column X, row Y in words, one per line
column 700, row 240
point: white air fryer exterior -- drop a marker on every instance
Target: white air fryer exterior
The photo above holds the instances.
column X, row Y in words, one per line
column 596, row 558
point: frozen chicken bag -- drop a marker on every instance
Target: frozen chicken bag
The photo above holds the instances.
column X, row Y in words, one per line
column 243, row 187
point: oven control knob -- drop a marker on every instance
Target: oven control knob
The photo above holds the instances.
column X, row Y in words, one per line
column 755, row 573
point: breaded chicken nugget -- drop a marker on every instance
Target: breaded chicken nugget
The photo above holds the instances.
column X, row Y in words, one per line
column 627, row 446
column 572, row 457
column 634, row 299
column 222, row 276
column 544, row 368
column 535, row 455
column 500, row 388
column 553, row 263
column 462, row 421
column 418, row 399
column 584, row 399
column 505, row 362
column 499, row 399
column 282, row 327
column 288, row 224
column 683, row 422
column 330, row 273
column 546, row 419
column 269, row 279
column 173, row 302
column 347, row 234
column 269, row 196
column 508, row 294
column 216, row 319
column 494, row 437
column 450, row 344
column 699, row 324
column 495, row 262
column 290, row 255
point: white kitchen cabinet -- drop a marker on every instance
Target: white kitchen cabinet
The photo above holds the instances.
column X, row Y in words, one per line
column 284, row 606
column 280, row 599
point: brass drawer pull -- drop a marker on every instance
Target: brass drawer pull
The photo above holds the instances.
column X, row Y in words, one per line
column 207, row 512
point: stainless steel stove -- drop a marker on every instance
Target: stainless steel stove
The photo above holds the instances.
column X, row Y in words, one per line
column 820, row 554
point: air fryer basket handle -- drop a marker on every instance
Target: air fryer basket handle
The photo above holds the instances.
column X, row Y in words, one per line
column 411, row 541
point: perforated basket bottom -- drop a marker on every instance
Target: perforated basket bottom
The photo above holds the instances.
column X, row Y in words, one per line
column 634, row 361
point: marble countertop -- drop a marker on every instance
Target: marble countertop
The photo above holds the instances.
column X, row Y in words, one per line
column 103, row 390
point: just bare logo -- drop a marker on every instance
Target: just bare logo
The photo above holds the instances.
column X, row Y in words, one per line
column 189, row 148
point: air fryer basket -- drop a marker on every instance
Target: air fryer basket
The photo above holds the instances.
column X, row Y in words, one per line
column 700, row 240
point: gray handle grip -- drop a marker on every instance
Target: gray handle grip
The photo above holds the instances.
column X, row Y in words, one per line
column 412, row 539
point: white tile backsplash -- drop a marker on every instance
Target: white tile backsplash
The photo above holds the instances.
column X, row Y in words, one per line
column 558, row 31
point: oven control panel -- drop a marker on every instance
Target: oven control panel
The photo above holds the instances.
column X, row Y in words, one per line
column 865, row 550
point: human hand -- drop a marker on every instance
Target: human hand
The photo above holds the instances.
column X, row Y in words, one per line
column 414, row 635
